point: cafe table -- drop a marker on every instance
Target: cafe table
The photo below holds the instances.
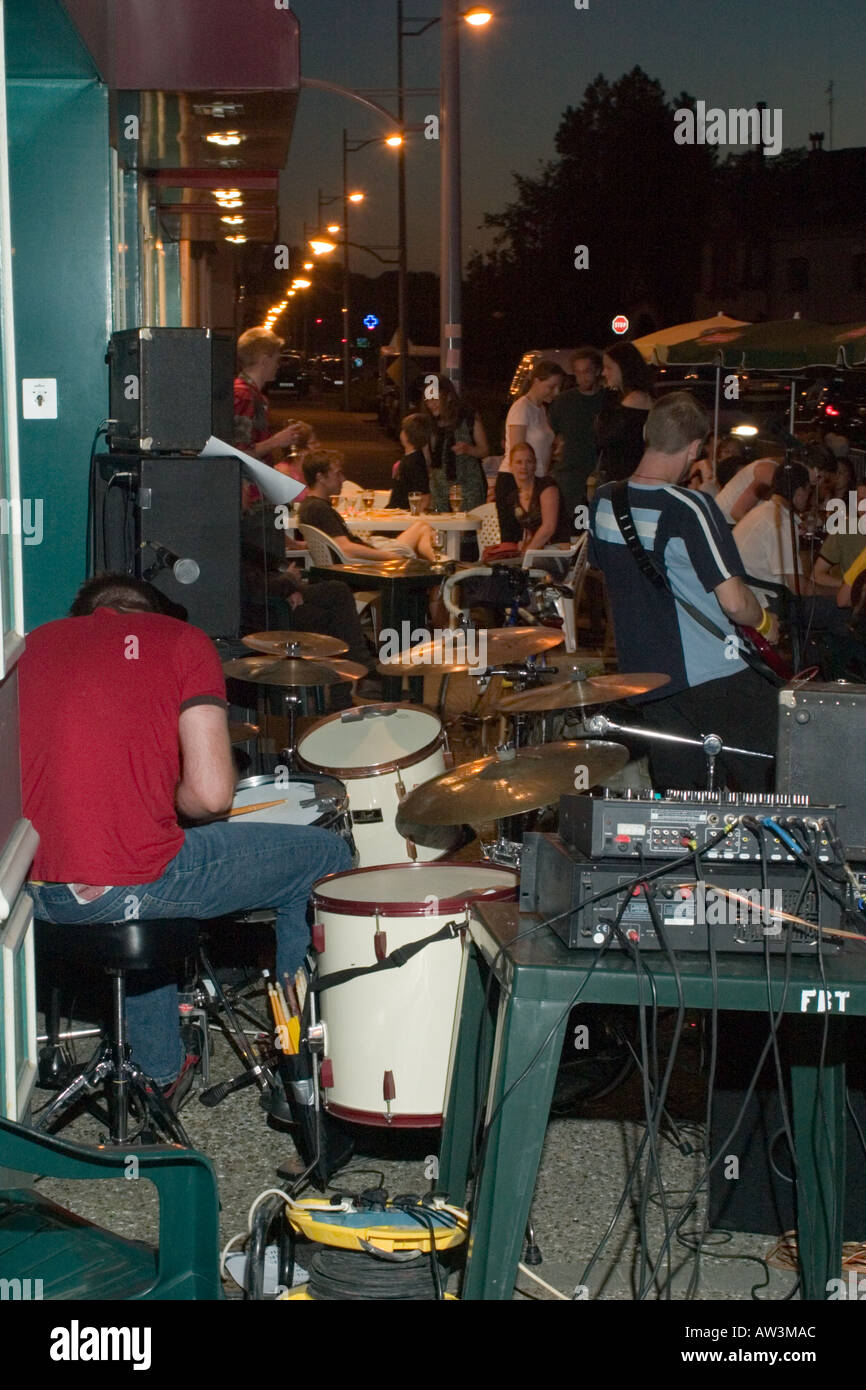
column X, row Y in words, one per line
column 453, row 525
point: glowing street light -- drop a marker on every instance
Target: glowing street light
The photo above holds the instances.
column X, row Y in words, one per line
column 356, row 197
column 301, row 284
column 333, row 228
column 308, row 265
column 322, row 248
column 478, row 15
column 394, row 140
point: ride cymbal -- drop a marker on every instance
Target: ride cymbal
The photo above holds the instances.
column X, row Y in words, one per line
column 461, row 650
column 303, row 644
column 596, row 690
column 494, row 787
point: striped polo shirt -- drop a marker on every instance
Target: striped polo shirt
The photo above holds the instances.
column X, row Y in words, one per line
column 690, row 539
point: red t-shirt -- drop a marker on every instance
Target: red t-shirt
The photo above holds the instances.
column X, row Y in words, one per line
column 100, row 699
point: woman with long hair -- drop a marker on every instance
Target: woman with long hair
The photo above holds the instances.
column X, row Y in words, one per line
column 458, row 444
column 530, row 509
column 527, row 422
column 619, row 424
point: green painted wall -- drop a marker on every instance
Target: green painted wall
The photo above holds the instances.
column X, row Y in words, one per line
column 59, row 185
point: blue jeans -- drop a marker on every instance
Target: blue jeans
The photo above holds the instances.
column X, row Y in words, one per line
column 219, row 869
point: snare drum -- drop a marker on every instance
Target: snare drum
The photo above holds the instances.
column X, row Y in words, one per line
column 380, row 752
column 388, row 1035
column 302, row 800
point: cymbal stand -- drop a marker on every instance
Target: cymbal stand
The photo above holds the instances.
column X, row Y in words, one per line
column 711, row 744
column 293, row 704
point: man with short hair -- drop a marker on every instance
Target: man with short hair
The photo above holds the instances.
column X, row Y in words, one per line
column 323, row 474
column 123, row 729
column 686, row 542
column 572, row 415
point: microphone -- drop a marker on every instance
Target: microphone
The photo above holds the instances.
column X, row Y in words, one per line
column 599, row 724
column 185, row 571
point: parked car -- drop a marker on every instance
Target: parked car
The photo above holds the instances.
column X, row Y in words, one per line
column 835, row 401
column 292, row 376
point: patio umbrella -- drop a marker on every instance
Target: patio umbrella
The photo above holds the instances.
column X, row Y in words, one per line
column 662, row 338
column 780, row 345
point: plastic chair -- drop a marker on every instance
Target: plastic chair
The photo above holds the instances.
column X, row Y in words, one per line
column 325, row 551
column 489, row 532
column 76, row 1259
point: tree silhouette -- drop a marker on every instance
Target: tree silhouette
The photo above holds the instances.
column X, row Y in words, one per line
column 622, row 187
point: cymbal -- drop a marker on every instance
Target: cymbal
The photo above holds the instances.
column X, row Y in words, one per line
column 495, row 646
column 597, row 690
column 349, row 670
column 307, row 643
column 242, row 733
column 269, row 670
column 491, row 788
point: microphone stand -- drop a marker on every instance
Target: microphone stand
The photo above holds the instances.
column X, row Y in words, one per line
column 711, row 744
column 797, row 611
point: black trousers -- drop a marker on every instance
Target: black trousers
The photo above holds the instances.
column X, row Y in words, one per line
column 741, row 709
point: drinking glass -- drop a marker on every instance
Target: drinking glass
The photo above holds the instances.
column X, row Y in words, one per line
column 415, row 503
column 368, row 498
column 455, row 497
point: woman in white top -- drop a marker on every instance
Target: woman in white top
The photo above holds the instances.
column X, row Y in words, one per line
column 527, row 422
column 750, row 485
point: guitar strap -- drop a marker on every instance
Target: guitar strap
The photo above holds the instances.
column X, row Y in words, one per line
column 653, row 571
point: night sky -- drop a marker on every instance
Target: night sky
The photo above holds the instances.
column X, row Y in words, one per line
column 520, row 72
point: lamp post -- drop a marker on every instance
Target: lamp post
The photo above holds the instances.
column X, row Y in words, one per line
column 451, row 250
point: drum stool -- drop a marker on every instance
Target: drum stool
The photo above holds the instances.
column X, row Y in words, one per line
column 118, row 948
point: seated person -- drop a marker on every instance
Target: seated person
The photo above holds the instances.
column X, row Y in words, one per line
column 750, row 485
column 323, row 474
column 529, row 507
column 852, row 573
column 138, row 699
column 708, row 477
column 411, row 474
column 274, row 595
column 763, row 537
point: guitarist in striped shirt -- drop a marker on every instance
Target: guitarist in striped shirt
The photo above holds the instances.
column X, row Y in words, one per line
column 678, row 594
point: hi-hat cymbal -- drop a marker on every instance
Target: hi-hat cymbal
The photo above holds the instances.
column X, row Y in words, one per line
column 269, row 670
column 491, row 788
column 456, row 651
column 597, row 690
column 307, row 644
column 242, row 733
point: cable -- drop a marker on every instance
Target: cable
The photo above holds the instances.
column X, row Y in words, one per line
column 354, row 1275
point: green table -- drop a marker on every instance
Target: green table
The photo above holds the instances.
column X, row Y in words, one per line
column 537, row 976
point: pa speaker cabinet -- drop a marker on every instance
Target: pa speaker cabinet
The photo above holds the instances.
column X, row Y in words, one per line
column 170, row 389
column 820, row 735
column 188, row 507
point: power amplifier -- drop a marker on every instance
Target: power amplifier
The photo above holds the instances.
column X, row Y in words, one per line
column 561, row 884
column 648, row 826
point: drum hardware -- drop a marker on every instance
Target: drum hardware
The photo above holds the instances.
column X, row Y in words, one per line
column 711, row 744
column 507, row 853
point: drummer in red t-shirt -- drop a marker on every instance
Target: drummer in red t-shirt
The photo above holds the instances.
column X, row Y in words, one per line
column 123, row 725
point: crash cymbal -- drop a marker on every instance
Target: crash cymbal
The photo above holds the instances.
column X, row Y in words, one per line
column 242, row 733
column 459, row 651
column 348, row 670
column 597, row 690
column 269, row 670
column 493, row 787
column 308, row 644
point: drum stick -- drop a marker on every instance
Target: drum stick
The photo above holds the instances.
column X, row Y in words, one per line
column 301, row 987
column 291, row 996
column 259, row 806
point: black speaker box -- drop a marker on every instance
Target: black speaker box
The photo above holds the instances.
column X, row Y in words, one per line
column 820, row 734
column 189, row 507
column 170, row 389
column 760, row 1198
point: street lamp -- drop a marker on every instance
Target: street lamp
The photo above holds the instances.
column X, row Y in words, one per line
column 352, row 147
column 451, row 252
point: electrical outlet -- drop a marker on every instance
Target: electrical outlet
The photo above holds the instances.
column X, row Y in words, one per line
column 39, row 397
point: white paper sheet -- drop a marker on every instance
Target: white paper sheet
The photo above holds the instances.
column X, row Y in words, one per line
column 276, row 487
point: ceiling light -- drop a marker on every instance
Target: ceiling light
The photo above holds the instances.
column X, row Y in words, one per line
column 225, row 137
column 236, row 239
column 227, row 192
column 234, row 220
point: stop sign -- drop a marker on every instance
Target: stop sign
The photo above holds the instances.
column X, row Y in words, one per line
column 620, row 324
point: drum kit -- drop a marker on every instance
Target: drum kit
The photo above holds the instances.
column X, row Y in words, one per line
column 376, row 774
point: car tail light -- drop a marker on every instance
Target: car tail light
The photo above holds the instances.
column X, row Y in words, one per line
column 830, row 410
